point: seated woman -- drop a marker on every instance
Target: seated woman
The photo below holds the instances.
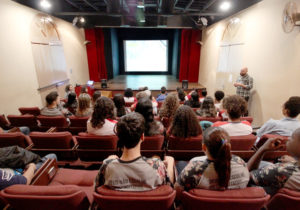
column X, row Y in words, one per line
column 193, row 101
column 235, row 106
column 218, row 169
column 169, row 106
column 185, row 123
column 101, row 123
column 68, row 89
column 208, row 108
column 71, row 103
column 152, row 127
column 181, row 95
column 119, row 104
column 84, row 106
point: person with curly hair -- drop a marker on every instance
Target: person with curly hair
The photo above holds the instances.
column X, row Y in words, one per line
column 169, row 106
column 235, row 106
column 102, row 122
column 194, row 100
column 208, row 108
column 120, row 104
column 185, row 123
column 84, row 106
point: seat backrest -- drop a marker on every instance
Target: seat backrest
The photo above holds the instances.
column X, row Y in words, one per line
column 22, row 120
column 191, row 143
column 249, row 119
column 242, row 142
column 90, row 141
column 285, row 199
column 265, row 137
column 160, row 198
column 159, row 104
column 30, row 110
column 210, row 119
column 3, row 122
column 61, row 197
column 17, row 138
column 249, row 198
column 78, row 121
column 55, row 140
column 56, row 121
column 153, row 142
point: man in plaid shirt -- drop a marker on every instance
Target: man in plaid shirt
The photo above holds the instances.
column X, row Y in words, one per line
column 244, row 84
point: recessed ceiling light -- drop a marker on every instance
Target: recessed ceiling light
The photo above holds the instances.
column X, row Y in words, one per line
column 45, row 4
column 225, row 6
column 82, row 20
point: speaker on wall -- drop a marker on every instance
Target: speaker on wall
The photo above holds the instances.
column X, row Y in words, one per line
column 185, row 84
column 103, row 83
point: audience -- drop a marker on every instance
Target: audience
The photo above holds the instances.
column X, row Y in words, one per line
column 185, row 123
column 208, row 108
column 203, row 95
column 219, row 95
column 218, row 169
column 68, row 89
column 140, row 173
column 152, row 127
column 96, row 95
column 285, row 126
column 71, row 103
column 102, row 122
column 235, row 106
column 169, row 106
column 163, row 94
column 53, row 107
column 181, row 95
column 194, row 100
column 84, row 106
column 119, row 104
column 128, row 96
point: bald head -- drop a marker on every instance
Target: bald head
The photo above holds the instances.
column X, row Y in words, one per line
column 244, row 71
column 293, row 144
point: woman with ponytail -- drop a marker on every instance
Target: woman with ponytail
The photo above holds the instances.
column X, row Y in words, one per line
column 218, row 169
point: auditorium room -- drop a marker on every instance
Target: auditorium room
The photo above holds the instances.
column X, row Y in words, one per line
column 149, row 104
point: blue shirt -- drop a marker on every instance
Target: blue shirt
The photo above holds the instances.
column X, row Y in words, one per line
column 10, row 177
column 161, row 97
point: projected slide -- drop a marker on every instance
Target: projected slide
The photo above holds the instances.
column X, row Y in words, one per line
column 146, row 55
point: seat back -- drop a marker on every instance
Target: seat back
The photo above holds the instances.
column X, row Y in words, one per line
column 3, row 122
column 61, row 197
column 242, row 142
column 249, row 119
column 47, row 122
column 153, row 145
column 17, row 138
column 159, row 104
column 128, row 104
column 30, row 110
column 210, row 119
column 28, row 120
column 265, row 137
column 285, row 199
column 249, row 198
column 77, row 124
column 160, row 198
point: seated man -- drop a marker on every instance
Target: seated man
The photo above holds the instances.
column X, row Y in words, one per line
column 132, row 172
column 163, row 94
column 285, row 126
column 53, row 107
column 286, row 173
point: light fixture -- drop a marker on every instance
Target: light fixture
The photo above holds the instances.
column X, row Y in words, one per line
column 81, row 19
column 45, row 4
column 142, row 21
column 225, row 6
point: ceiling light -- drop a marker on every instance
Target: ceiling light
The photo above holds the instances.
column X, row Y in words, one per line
column 45, row 4
column 225, row 6
column 82, row 20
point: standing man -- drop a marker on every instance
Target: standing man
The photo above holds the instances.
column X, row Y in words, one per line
column 244, row 84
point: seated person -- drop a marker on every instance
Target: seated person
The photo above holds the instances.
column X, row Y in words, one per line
column 285, row 126
column 181, row 95
column 128, row 96
column 208, row 108
column 153, row 100
column 133, row 172
column 286, row 173
column 69, row 89
column 71, row 103
column 235, row 106
column 218, row 169
column 163, row 94
column 219, row 95
column 84, row 106
column 203, row 95
column 25, row 130
column 53, row 107
column 185, row 123
column 119, row 104
column 169, row 106
column 193, row 101
column 84, row 89
column 152, row 127
column 102, row 122
column 96, row 95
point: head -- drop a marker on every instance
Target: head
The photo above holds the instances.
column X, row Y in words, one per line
column 141, row 94
column 235, row 106
column 219, row 95
column 169, row 105
column 163, row 89
column 84, row 89
column 69, row 88
column 130, row 130
column 96, row 95
column 185, row 123
column 52, row 98
column 195, row 96
column 209, row 106
column 103, row 109
column 145, row 108
column 216, row 145
column 181, row 94
column 84, row 101
column 128, row 93
column 291, row 108
column 244, row 71
column 71, row 98
column 204, row 92
column 293, row 144
column 119, row 101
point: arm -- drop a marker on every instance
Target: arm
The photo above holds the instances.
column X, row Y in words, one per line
column 266, row 128
column 169, row 162
column 250, row 86
column 29, row 173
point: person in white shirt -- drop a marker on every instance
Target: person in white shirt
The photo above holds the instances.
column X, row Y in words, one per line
column 219, row 95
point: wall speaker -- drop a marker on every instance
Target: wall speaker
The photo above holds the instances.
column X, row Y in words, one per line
column 185, row 84
column 103, row 83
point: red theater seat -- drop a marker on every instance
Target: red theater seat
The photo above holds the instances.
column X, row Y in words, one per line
column 285, row 199
column 17, row 138
column 60, row 122
column 159, row 198
column 265, row 137
column 210, row 119
column 95, row 148
column 153, row 145
column 249, row 119
column 242, row 142
column 128, row 104
column 250, row 198
column 4, row 124
column 77, row 124
column 30, row 110
column 28, row 120
column 159, row 104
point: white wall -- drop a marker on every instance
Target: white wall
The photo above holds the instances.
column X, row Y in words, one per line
column 271, row 55
column 18, row 80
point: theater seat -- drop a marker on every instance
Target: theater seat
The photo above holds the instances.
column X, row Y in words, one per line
column 30, row 110
column 285, row 199
column 210, row 119
column 249, row 119
column 153, row 145
column 60, row 122
column 265, row 137
column 95, row 148
column 250, row 198
column 128, row 104
column 160, row 198
column 17, row 138
column 60, row 143
column 77, row 124
column 28, row 120
column 242, row 142
column 4, row 124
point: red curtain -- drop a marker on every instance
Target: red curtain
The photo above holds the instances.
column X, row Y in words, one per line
column 95, row 54
column 190, row 55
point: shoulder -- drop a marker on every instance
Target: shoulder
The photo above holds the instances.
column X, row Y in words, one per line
column 219, row 123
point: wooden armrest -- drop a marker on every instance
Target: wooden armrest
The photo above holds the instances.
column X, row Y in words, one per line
column 46, row 173
column 13, row 130
column 51, row 130
column 29, row 147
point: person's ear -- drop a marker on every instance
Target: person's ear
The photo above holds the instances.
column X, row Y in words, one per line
column 204, row 148
column 143, row 137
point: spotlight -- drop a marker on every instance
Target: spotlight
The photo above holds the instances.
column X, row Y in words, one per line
column 82, row 20
column 45, row 4
column 225, row 6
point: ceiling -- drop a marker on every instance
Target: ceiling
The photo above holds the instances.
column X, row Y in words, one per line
column 125, row 13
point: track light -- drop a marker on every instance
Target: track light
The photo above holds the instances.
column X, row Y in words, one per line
column 45, row 4
column 225, row 6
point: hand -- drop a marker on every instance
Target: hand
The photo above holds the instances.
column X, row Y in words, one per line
column 113, row 157
column 236, row 84
column 272, row 144
column 287, row 159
